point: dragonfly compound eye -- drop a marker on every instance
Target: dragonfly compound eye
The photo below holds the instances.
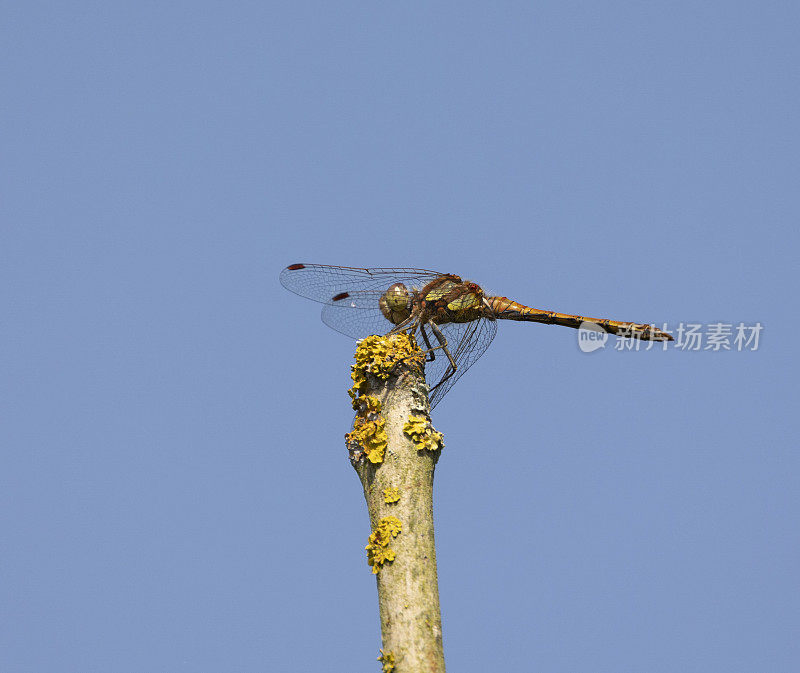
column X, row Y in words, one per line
column 395, row 303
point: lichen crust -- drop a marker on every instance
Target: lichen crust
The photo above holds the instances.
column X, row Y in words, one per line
column 378, row 550
column 421, row 431
column 391, row 495
column 368, row 439
column 379, row 355
column 387, row 661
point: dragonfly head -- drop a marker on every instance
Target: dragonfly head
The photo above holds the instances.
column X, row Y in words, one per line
column 395, row 303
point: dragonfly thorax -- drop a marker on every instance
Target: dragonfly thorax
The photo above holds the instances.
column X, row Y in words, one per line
column 396, row 303
column 449, row 299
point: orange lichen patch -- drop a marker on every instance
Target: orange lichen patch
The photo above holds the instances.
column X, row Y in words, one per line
column 391, row 494
column 421, row 431
column 387, row 660
column 367, row 438
column 378, row 551
column 379, row 355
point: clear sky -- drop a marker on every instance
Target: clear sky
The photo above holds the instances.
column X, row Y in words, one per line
column 175, row 493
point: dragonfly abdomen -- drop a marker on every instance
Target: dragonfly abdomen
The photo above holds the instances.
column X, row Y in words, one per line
column 506, row 309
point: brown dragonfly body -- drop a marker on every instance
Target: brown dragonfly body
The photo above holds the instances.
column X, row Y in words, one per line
column 435, row 307
column 448, row 299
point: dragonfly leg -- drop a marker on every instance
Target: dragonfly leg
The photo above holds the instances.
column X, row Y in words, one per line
column 443, row 345
column 410, row 325
column 430, row 351
column 400, row 327
column 429, row 354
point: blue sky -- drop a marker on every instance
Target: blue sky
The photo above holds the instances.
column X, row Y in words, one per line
column 176, row 494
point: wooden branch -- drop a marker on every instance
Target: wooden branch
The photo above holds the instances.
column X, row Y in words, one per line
column 394, row 449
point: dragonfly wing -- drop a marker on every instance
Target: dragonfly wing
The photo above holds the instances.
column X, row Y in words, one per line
column 323, row 283
column 466, row 342
column 356, row 318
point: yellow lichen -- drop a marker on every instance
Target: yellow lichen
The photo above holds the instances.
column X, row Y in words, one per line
column 379, row 355
column 391, row 494
column 367, row 438
column 378, row 551
column 378, row 555
column 390, row 525
column 423, row 434
column 416, row 426
column 387, row 660
column 376, row 356
column 367, row 404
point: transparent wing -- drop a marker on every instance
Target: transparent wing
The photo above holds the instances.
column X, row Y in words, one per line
column 466, row 342
column 322, row 283
column 357, row 316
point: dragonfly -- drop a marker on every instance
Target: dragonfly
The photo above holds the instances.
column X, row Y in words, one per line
column 453, row 320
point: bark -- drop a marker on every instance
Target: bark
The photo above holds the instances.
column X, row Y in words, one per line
column 408, row 590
